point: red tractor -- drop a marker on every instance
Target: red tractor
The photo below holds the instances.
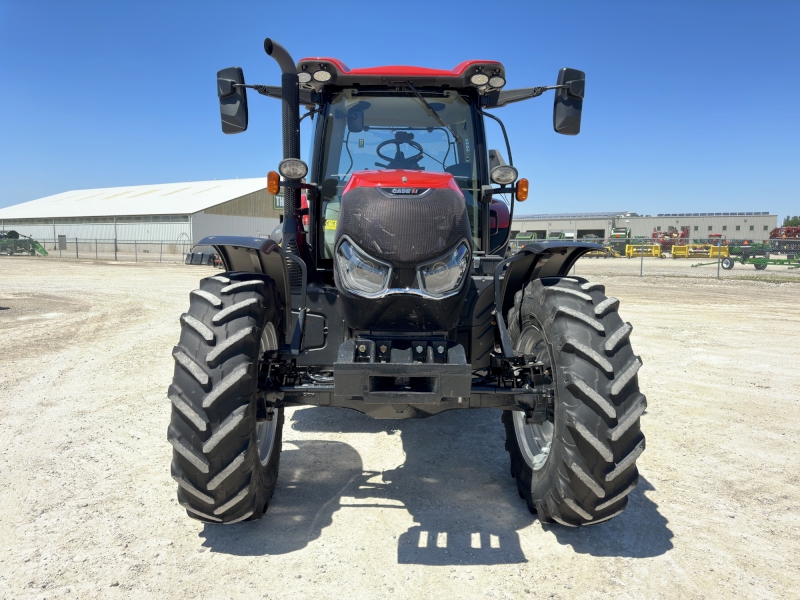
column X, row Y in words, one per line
column 785, row 240
column 397, row 301
column 670, row 238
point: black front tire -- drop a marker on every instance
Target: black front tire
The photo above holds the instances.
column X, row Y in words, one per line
column 727, row 263
column 583, row 472
column 225, row 458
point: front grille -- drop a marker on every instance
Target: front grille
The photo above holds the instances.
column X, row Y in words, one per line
column 404, row 231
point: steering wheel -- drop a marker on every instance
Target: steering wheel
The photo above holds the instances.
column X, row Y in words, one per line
column 400, row 161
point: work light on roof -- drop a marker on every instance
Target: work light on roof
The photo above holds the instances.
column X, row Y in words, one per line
column 322, row 76
column 496, row 81
column 304, row 77
column 479, row 79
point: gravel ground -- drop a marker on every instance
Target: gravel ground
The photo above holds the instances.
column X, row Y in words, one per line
column 396, row 509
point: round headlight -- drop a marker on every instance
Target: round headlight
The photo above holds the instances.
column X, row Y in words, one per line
column 497, row 81
column 293, row 168
column 504, row 174
column 322, row 76
column 304, row 77
column 479, row 79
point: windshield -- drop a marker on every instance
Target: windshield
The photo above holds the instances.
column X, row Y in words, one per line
column 396, row 130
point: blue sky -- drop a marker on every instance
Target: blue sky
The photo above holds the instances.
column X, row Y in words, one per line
column 690, row 106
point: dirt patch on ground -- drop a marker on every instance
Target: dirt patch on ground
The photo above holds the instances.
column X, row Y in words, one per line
column 404, row 509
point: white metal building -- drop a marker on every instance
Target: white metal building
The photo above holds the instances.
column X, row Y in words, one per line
column 175, row 212
column 731, row 225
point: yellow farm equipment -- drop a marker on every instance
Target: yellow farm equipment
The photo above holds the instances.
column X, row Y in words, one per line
column 606, row 252
column 700, row 251
column 649, row 250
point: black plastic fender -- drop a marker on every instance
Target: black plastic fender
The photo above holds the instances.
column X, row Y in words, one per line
column 533, row 261
column 256, row 255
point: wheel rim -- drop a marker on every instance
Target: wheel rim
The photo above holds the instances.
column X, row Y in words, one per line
column 266, row 430
column 535, row 439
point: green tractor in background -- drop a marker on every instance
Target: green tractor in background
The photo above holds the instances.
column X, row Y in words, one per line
column 12, row 243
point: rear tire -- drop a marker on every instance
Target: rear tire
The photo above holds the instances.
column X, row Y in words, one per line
column 578, row 467
column 225, row 459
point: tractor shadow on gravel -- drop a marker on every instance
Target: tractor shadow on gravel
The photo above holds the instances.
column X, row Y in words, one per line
column 640, row 532
column 455, row 484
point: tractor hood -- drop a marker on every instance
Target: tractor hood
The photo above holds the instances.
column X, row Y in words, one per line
column 412, row 183
column 403, row 250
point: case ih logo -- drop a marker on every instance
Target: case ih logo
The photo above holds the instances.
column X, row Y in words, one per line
column 404, row 191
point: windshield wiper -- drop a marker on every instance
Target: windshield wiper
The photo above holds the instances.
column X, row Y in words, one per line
column 431, row 111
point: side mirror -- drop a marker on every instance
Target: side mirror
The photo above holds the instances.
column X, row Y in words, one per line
column 569, row 102
column 232, row 100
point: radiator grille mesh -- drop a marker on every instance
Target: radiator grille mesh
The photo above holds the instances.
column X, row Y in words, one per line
column 404, row 231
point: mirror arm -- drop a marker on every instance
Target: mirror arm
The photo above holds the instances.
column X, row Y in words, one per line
column 271, row 91
column 508, row 96
column 274, row 91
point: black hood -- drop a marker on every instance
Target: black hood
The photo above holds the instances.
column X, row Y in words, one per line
column 405, row 228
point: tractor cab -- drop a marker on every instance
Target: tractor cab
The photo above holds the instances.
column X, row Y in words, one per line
column 406, row 132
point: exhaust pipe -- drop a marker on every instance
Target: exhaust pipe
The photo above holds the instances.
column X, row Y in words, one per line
column 293, row 234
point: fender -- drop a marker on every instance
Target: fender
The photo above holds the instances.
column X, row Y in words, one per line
column 533, row 261
column 256, row 255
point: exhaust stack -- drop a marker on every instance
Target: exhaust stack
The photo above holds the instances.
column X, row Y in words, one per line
column 293, row 235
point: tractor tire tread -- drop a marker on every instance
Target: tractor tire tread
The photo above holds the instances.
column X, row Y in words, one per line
column 212, row 427
column 591, row 468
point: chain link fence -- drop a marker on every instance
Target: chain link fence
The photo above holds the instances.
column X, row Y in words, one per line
column 122, row 250
column 711, row 258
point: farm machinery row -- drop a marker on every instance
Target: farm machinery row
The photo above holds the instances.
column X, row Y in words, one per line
column 678, row 244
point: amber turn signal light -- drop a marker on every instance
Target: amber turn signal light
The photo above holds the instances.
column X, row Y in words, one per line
column 274, row 183
column 522, row 190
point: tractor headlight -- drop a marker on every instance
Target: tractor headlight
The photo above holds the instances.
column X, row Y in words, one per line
column 359, row 272
column 304, row 77
column 293, row 168
column 504, row 174
column 322, row 76
column 497, row 81
column 443, row 276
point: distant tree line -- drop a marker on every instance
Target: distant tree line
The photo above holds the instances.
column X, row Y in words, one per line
column 791, row 221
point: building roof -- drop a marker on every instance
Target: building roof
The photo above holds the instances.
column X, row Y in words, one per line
column 709, row 214
column 592, row 215
column 158, row 199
